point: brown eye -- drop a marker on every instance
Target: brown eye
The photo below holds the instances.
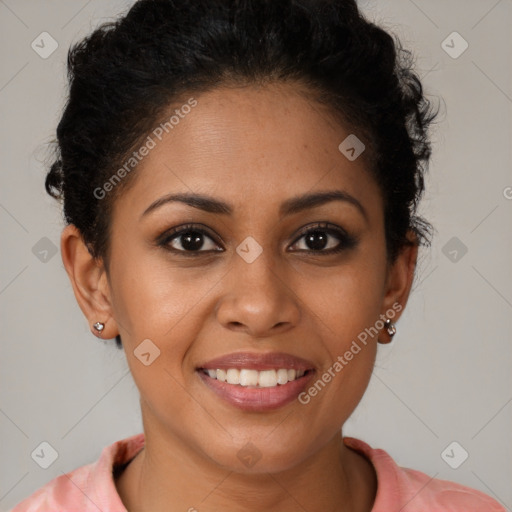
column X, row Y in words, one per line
column 187, row 239
column 325, row 238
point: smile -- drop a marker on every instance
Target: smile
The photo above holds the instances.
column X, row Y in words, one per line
column 253, row 390
column 253, row 378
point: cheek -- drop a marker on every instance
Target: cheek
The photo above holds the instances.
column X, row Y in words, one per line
column 348, row 299
column 349, row 346
column 156, row 300
column 346, row 307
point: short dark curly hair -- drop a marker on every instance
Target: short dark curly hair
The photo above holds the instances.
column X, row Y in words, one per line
column 127, row 73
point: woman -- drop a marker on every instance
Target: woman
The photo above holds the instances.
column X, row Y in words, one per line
column 240, row 182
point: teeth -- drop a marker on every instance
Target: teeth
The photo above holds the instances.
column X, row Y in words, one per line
column 264, row 378
column 282, row 376
column 248, row 378
column 233, row 376
column 267, row 379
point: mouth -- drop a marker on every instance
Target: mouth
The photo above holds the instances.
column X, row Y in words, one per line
column 257, row 382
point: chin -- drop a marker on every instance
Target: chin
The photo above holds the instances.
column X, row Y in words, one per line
column 256, row 457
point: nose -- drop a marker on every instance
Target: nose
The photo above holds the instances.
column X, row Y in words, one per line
column 257, row 298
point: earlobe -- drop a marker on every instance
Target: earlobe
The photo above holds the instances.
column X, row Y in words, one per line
column 89, row 281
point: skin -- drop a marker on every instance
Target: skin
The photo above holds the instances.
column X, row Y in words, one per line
column 253, row 148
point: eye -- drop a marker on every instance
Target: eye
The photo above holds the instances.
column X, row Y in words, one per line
column 325, row 238
column 322, row 238
column 187, row 239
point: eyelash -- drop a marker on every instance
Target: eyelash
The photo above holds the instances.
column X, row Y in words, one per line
column 346, row 241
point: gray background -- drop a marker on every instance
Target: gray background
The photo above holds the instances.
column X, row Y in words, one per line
column 446, row 377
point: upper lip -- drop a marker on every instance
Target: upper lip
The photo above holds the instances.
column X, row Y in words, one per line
column 258, row 361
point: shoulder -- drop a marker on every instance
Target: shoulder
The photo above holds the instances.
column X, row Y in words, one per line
column 413, row 491
column 445, row 494
column 59, row 492
column 88, row 488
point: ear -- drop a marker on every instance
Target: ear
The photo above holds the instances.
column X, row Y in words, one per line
column 400, row 278
column 89, row 281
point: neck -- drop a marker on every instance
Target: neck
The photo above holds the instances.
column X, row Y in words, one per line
column 334, row 478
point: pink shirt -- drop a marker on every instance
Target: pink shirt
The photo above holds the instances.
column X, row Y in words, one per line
column 91, row 488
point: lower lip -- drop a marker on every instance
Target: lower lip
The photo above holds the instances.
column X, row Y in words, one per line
column 257, row 399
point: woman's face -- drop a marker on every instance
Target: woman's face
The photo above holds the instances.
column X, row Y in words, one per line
column 252, row 281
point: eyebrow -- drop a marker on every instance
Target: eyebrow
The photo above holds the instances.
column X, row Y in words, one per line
column 289, row 207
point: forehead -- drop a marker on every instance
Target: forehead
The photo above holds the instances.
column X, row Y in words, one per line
column 250, row 146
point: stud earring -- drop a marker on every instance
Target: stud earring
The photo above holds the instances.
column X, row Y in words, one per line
column 390, row 327
column 99, row 326
column 390, row 330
